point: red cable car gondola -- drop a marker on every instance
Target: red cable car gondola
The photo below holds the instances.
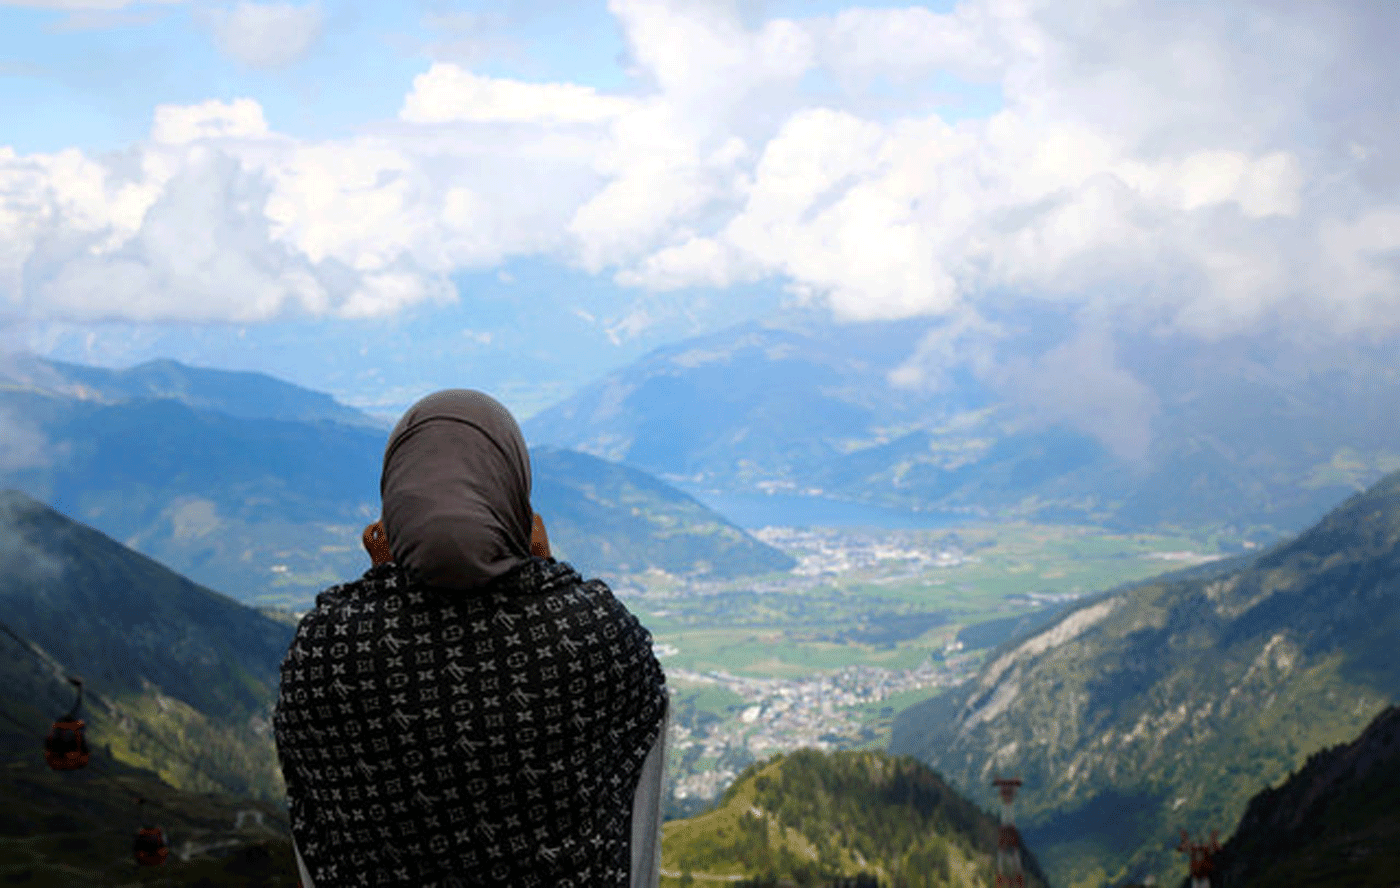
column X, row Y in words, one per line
column 149, row 847
column 65, row 748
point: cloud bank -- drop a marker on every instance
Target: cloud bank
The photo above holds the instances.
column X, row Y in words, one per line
column 1202, row 169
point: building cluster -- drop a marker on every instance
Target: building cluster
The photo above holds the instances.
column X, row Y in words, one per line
column 829, row 711
column 833, row 551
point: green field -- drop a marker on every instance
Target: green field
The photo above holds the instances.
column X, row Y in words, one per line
column 894, row 613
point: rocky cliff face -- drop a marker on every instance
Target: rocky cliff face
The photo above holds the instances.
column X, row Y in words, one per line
column 1167, row 705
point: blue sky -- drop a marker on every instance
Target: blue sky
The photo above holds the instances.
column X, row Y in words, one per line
column 380, row 199
column 90, row 78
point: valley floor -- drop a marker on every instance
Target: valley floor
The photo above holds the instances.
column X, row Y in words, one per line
column 868, row 622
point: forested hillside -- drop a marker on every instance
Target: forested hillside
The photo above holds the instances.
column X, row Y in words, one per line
column 1335, row 823
column 811, row 817
column 179, row 685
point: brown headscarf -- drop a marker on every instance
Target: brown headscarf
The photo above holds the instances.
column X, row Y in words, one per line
column 456, row 490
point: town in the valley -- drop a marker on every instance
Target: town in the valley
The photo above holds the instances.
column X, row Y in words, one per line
column 892, row 616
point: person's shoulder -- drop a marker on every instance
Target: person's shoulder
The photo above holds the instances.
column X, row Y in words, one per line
column 560, row 578
column 379, row 580
column 538, row 576
column 548, row 578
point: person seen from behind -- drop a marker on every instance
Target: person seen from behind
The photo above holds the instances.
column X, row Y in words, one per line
column 469, row 712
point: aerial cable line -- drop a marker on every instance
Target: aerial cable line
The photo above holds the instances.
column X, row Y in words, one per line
column 10, row 632
column 44, row 658
column 98, row 767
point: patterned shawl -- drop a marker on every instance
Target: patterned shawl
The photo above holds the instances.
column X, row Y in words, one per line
column 432, row 738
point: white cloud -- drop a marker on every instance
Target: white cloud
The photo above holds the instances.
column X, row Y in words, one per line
column 971, row 42
column 23, row 444
column 22, row 559
column 267, row 35
column 701, row 58
column 240, row 118
column 1188, row 168
column 447, row 93
column 962, row 339
column 1263, row 186
column 188, row 239
column 1079, row 383
column 660, row 172
column 200, row 253
column 696, row 262
column 630, row 325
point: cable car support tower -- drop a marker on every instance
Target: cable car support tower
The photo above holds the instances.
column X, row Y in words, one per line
column 1009, row 872
column 1202, row 857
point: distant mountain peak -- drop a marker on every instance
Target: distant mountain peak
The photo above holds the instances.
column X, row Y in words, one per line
column 245, row 394
column 879, row 412
column 258, row 488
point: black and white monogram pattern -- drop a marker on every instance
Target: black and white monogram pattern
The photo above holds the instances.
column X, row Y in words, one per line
column 490, row 737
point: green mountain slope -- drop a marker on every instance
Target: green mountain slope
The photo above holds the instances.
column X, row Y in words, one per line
column 180, row 680
column 1166, row 706
column 271, row 509
column 248, row 506
column 809, row 817
column 1334, row 823
column 75, row 830
column 179, row 687
column 605, row 513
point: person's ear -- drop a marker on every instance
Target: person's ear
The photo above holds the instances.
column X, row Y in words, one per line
column 539, row 540
column 377, row 544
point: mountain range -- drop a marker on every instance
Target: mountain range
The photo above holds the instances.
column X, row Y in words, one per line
column 261, row 489
column 240, row 394
column 605, row 513
column 1230, row 434
column 1166, row 706
column 1138, row 712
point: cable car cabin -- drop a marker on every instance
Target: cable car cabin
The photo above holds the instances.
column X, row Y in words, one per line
column 65, row 748
column 149, row 846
